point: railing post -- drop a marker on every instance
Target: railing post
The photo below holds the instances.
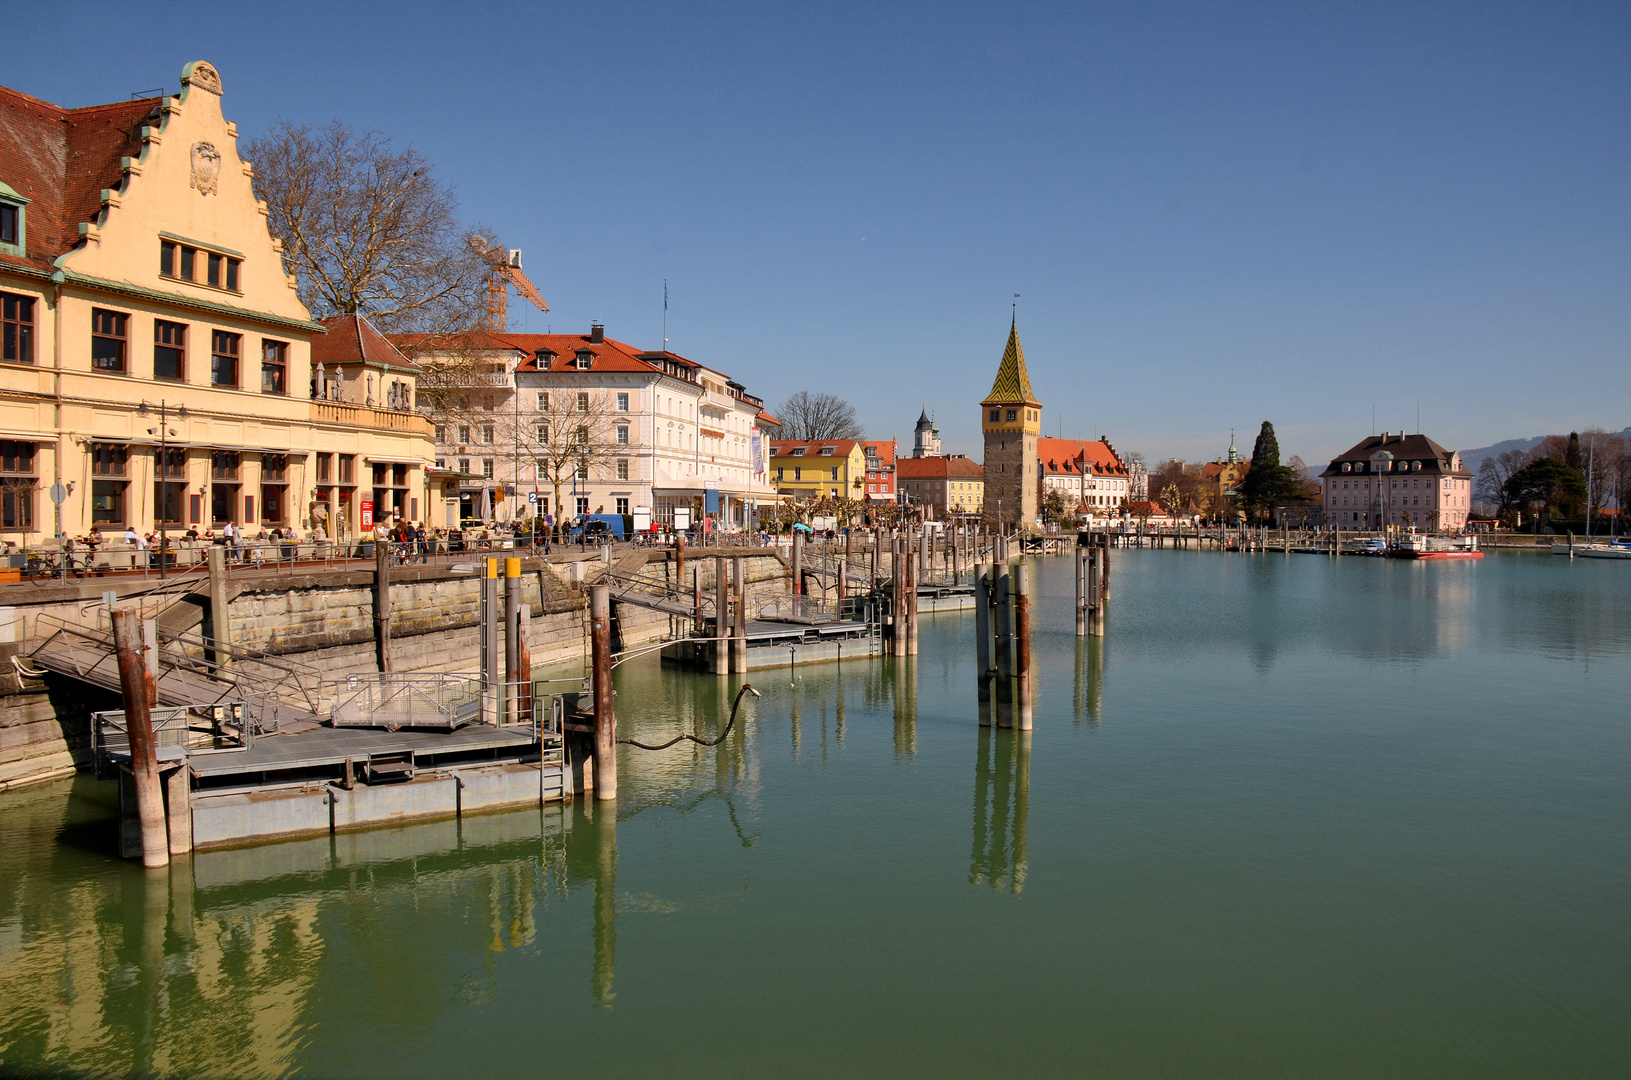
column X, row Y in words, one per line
column 144, row 764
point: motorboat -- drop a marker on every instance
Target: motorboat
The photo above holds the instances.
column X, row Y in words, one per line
column 1613, row 549
column 1373, row 546
column 1421, row 546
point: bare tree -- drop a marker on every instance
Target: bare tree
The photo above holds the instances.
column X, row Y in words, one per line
column 806, row 416
column 573, row 431
column 1494, row 473
column 367, row 229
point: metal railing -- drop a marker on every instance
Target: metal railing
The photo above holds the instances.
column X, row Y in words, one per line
column 394, row 700
column 225, row 727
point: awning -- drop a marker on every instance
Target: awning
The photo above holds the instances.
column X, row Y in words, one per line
column 394, row 460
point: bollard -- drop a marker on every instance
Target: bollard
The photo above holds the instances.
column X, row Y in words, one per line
column 1022, row 644
column 144, row 763
column 600, row 642
column 982, row 639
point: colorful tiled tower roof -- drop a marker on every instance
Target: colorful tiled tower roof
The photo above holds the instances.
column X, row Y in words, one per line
column 1013, row 383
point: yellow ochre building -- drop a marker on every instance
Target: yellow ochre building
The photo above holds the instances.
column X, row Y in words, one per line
column 138, row 273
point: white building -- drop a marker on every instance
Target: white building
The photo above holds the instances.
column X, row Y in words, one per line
column 661, row 432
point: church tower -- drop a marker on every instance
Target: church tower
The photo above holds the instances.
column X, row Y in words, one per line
column 1011, row 418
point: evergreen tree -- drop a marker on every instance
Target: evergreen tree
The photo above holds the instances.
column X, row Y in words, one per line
column 1268, row 484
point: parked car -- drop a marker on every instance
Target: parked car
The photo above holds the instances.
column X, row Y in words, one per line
column 597, row 528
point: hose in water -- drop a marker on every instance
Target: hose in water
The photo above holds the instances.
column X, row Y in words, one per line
column 747, row 688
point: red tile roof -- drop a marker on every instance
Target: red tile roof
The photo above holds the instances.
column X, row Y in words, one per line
column 886, row 450
column 352, row 340
column 954, row 467
column 1093, row 457
column 60, row 160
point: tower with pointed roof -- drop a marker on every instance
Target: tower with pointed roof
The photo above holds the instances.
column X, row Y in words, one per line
column 925, row 437
column 1011, row 418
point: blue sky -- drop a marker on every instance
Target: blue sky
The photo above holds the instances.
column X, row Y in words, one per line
column 1214, row 214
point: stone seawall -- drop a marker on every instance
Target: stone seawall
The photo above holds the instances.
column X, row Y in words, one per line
column 322, row 620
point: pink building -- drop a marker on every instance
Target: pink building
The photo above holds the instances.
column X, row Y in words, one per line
column 1398, row 479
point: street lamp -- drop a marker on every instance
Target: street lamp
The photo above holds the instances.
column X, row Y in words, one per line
column 163, row 431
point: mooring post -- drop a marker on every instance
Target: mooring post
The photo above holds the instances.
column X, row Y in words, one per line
column 512, row 639
column 797, row 561
column 220, row 613
column 600, row 642
column 722, row 621
column 679, row 557
column 144, row 761
column 982, row 640
column 1095, row 588
column 911, row 609
column 696, row 601
column 739, row 640
column 489, row 641
column 1104, row 582
column 1005, row 639
column 178, row 794
column 526, row 662
column 382, row 604
column 1022, row 643
column 1081, row 591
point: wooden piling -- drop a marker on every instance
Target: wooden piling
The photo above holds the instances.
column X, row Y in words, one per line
column 512, row 639
column 489, row 641
column 178, row 805
column 1104, row 572
column 1005, row 640
column 982, row 639
column 739, row 638
column 722, row 608
column 696, row 600
column 144, row 763
column 1022, row 645
column 797, row 560
column 1081, row 591
column 220, row 613
column 382, row 603
column 911, row 609
column 600, row 643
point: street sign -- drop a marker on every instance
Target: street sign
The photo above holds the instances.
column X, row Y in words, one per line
column 59, row 494
column 682, row 517
column 532, row 496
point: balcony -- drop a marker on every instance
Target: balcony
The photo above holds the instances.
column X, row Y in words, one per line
column 365, row 417
column 722, row 402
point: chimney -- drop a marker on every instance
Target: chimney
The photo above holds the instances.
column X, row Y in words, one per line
column 597, row 333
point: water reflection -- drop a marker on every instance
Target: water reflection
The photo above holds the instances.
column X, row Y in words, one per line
column 1002, row 784
column 903, row 674
column 1088, row 697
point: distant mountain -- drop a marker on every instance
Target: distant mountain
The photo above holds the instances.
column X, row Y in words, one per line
column 1473, row 459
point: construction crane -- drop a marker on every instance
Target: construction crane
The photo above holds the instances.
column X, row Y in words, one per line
column 505, row 271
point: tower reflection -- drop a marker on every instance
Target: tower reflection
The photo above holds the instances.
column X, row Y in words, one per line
column 1002, row 781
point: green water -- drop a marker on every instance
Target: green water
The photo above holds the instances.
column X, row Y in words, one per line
column 1295, row 817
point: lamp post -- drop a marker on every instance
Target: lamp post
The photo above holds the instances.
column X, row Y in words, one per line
column 163, row 432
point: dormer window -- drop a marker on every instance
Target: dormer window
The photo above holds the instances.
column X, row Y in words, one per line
column 826, row 451
column 583, row 360
column 798, row 451
column 13, row 222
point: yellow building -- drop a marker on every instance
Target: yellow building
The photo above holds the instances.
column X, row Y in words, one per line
column 138, row 278
column 819, row 469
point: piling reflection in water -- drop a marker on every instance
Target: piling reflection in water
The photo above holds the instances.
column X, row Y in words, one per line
column 1002, row 789
column 1088, row 699
column 903, row 673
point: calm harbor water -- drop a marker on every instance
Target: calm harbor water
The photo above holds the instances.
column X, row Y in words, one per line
column 1293, row 817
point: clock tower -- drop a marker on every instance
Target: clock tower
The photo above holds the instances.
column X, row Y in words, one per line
column 1011, row 418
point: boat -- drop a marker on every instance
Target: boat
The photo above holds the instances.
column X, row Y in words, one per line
column 1614, row 549
column 1373, row 546
column 1418, row 546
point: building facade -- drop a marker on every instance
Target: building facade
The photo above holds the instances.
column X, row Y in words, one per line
column 1394, row 479
column 1089, row 473
column 881, row 473
column 569, row 424
column 944, row 485
column 139, row 281
column 819, row 469
column 1011, row 421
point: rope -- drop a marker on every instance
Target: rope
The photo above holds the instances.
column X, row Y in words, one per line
column 747, row 688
